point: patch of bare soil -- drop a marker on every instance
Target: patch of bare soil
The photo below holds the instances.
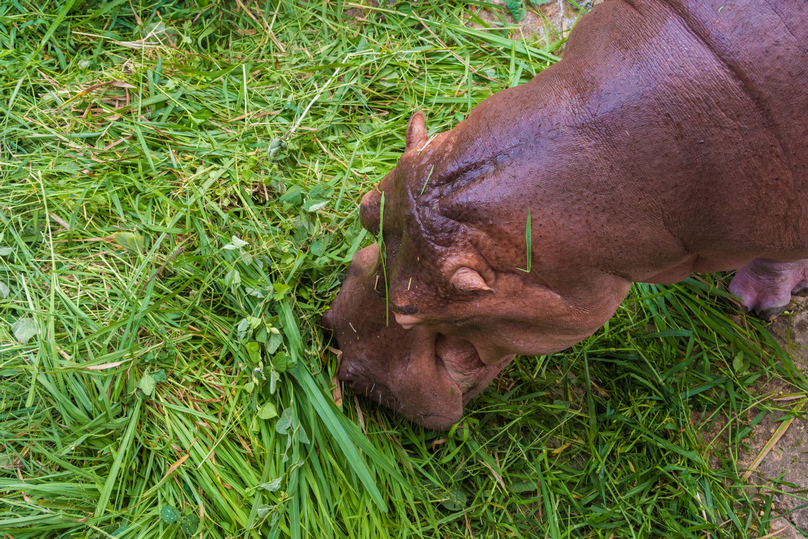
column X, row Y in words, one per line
column 546, row 23
column 776, row 458
column 791, row 331
column 784, row 470
column 782, row 529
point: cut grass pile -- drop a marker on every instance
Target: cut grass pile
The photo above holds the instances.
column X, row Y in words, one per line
column 178, row 205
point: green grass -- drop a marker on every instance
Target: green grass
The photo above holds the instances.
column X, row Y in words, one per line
column 179, row 188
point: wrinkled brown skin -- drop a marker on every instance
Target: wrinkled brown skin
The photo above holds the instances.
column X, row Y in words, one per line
column 671, row 139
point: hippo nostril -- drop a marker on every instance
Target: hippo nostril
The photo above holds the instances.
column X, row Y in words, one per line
column 346, row 373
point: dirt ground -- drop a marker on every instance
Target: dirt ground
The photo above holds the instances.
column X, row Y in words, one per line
column 785, row 467
column 547, row 22
column 776, row 456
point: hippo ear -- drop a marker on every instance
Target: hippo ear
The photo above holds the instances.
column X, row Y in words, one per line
column 416, row 132
column 468, row 280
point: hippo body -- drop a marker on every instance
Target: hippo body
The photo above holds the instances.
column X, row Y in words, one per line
column 671, row 139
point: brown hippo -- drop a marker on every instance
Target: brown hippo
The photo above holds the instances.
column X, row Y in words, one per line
column 671, row 139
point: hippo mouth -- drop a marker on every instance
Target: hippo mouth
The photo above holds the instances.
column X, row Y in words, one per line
column 456, row 362
column 374, row 391
column 380, row 394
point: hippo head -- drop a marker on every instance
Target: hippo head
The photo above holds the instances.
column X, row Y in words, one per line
column 423, row 374
column 429, row 315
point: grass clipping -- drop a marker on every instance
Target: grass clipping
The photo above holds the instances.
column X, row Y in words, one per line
column 178, row 206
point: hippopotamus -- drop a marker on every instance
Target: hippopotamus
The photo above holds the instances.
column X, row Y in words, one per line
column 672, row 138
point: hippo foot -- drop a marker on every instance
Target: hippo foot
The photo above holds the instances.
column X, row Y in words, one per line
column 765, row 286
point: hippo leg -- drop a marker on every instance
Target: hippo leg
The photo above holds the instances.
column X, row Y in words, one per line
column 765, row 286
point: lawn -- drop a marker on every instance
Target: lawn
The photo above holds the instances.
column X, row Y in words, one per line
column 179, row 186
